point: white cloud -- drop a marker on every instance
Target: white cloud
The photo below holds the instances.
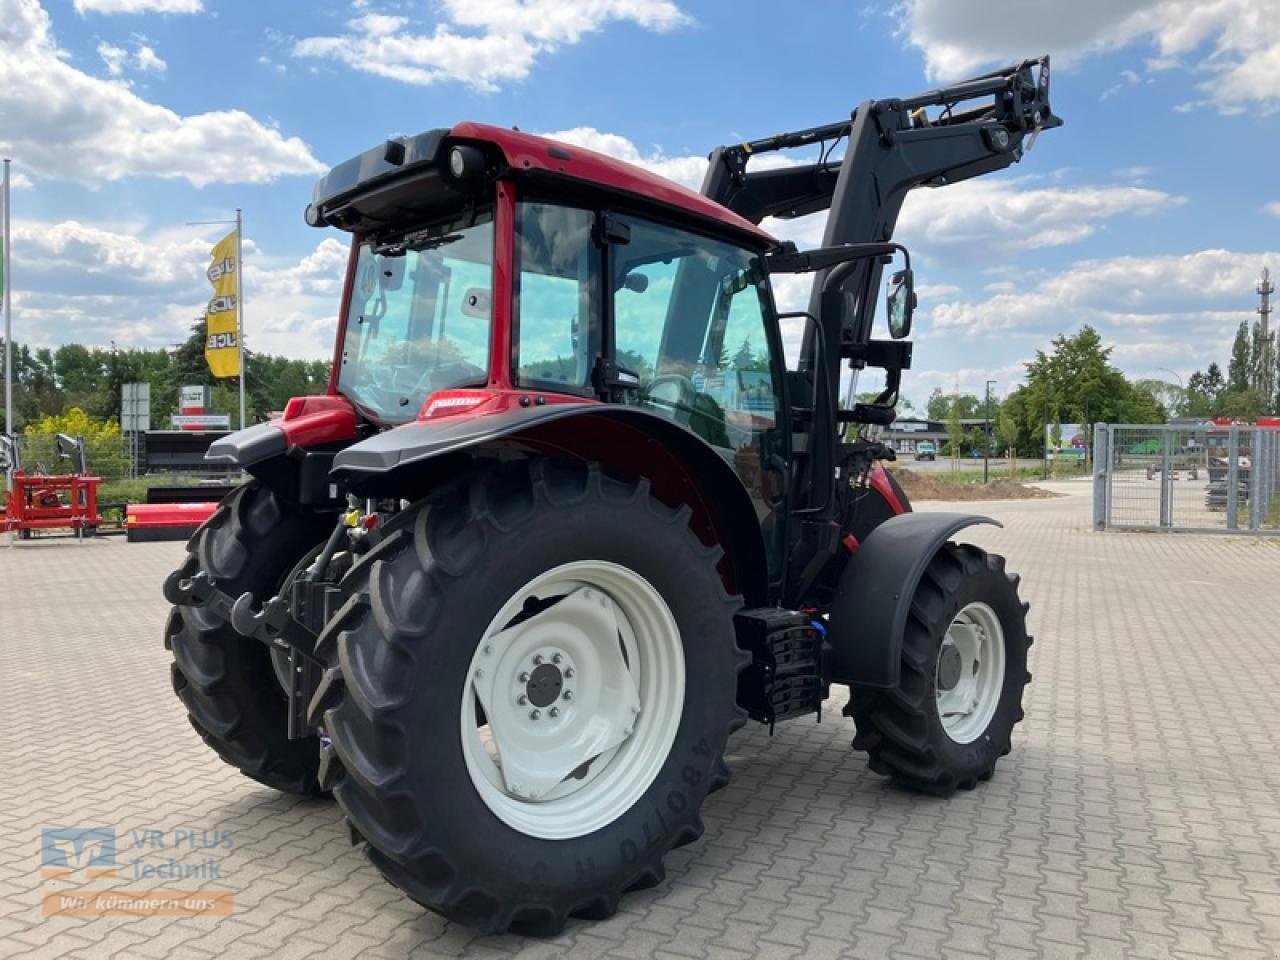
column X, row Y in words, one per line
column 971, row 220
column 978, row 217
column 146, row 60
column 1153, row 306
column 482, row 45
column 118, row 59
column 113, row 57
column 1233, row 44
column 319, row 273
column 83, row 253
column 87, row 283
column 68, row 125
column 1272, row 208
column 137, row 6
column 688, row 171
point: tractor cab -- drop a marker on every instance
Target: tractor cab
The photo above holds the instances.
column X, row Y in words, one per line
column 521, row 264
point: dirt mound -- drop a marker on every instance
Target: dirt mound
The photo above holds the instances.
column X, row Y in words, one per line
column 922, row 486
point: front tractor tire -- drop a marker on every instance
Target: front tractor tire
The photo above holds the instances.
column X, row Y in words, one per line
column 532, row 682
column 963, row 670
column 227, row 681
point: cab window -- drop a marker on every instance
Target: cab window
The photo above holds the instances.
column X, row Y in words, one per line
column 556, row 339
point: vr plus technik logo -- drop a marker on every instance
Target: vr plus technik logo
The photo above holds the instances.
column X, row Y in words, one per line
column 68, row 850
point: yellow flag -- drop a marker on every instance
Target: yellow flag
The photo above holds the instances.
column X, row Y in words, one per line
column 222, row 347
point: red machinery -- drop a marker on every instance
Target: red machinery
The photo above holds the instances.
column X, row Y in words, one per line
column 41, row 501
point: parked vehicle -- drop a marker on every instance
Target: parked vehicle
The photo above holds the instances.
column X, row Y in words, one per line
column 565, row 519
column 925, row 450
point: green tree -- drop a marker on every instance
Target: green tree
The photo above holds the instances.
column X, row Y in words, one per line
column 940, row 405
column 1240, row 371
column 1007, row 429
column 1203, row 391
column 1075, row 382
column 78, row 370
column 1169, row 395
column 1244, row 404
column 955, row 430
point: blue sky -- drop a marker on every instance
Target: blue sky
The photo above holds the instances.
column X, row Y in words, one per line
column 1148, row 215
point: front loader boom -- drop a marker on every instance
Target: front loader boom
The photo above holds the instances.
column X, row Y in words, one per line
column 891, row 146
column 983, row 125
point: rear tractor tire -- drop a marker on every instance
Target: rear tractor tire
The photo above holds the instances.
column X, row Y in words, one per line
column 227, row 681
column 963, row 670
column 531, row 684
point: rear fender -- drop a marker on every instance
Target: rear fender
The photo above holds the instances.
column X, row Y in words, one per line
column 869, row 613
column 680, row 466
column 293, row 454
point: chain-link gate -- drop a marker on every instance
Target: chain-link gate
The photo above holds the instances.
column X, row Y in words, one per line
column 1186, row 478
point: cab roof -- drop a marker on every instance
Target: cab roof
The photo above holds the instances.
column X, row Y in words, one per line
column 388, row 183
column 531, row 153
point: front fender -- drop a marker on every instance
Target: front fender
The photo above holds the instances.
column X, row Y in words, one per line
column 307, row 423
column 869, row 613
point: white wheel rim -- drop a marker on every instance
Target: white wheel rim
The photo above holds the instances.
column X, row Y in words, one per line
column 582, row 700
column 969, row 673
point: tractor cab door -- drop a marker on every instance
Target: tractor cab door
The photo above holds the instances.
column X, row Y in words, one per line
column 692, row 320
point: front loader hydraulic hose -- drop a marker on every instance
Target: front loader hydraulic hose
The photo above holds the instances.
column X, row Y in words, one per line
column 330, row 548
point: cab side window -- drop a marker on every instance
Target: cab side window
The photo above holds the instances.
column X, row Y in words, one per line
column 691, row 321
column 556, row 337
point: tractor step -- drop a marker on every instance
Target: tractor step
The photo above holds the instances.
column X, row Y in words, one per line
column 790, row 670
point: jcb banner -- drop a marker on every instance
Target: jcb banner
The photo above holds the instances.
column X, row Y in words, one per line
column 222, row 347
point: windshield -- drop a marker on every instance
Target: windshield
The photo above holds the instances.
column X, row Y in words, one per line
column 419, row 318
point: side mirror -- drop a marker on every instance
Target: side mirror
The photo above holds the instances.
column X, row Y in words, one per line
column 901, row 303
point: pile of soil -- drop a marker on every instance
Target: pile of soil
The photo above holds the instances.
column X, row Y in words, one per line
column 922, row 486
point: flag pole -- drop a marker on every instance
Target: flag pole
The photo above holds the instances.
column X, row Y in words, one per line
column 240, row 307
column 8, row 318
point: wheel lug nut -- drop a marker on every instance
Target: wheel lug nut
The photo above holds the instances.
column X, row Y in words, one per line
column 568, row 673
column 535, row 714
column 537, row 658
column 554, row 711
column 488, row 648
column 523, row 678
column 556, row 658
column 567, row 695
column 522, row 699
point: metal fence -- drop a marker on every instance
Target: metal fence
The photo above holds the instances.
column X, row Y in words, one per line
column 1194, row 479
column 110, row 458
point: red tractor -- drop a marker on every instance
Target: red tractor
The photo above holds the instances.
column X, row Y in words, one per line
column 565, row 518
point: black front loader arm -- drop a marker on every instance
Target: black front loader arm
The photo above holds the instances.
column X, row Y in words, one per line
column 890, row 147
column 893, row 146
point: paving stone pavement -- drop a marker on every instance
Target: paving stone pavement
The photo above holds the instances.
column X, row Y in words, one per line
column 1136, row 817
